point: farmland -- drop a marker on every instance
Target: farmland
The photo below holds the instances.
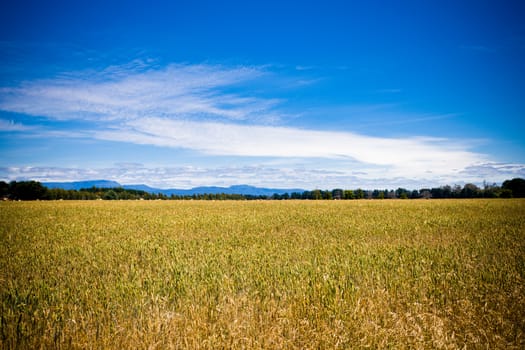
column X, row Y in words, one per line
column 263, row 274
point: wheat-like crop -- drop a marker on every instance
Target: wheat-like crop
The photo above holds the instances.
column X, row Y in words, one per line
column 264, row 274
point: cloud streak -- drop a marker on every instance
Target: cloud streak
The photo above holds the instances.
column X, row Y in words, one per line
column 215, row 110
column 403, row 156
column 10, row 125
column 178, row 91
column 264, row 176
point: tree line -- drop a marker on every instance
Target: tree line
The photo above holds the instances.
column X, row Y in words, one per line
column 34, row 190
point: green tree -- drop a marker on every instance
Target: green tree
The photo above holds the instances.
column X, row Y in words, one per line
column 348, row 194
column 505, row 193
column 4, row 189
column 110, row 195
column 402, row 193
column 295, row 195
column 27, row 190
column 470, row 191
column 516, row 186
column 337, row 193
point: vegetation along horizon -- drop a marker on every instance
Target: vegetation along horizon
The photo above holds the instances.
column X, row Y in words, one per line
column 437, row 274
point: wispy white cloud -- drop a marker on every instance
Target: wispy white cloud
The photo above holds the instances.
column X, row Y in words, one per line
column 175, row 177
column 257, row 175
column 10, row 125
column 117, row 93
column 494, row 170
column 364, row 116
column 211, row 110
column 301, row 68
column 415, row 156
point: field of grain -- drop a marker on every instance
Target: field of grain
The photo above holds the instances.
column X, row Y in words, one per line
column 268, row 274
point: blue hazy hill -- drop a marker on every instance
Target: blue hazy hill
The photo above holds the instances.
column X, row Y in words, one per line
column 237, row 189
column 77, row 185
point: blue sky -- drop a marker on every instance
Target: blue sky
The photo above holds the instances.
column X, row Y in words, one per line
column 310, row 94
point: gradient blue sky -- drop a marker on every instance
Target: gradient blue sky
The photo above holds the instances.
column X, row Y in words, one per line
column 310, row 94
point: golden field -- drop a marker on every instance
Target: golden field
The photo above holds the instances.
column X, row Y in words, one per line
column 436, row 274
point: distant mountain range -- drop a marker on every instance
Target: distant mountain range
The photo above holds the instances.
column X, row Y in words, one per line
column 238, row 189
column 77, row 185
